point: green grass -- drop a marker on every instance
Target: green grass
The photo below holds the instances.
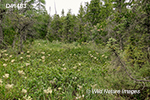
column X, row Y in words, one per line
column 68, row 70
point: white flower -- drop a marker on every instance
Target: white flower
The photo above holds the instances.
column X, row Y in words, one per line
column 64, row 69
column 48, row 54
column 103, row 55
column 49, row 90
column 4, row 51
column 59, row 88
column 50, row 63
column 12, row 60
column 45, row 91
column 97, row 53
column 63, row 65
column 55, row 79
column 43, row 57
column 10, row 56
column 58, row 59
column 74, row 78
column 6, row 59
column 24, row 97
column 94, row 57
column 52, row 81
column 90, row 68
column 27, row 64
column 21, row 52
column 27, row 98
column 6, row 54
column 35, row 52
column 21, row 72
column 74, row 67
column 4, row 65
column 6, row 76
column 25, row 77
column 83, row 95
column 24, row 91
column 21, row 57
column 28, row 56
column 78, row 97
column 42, row 52
column 79, row 64
column 89, row 51
column 80, row 87
column 28, row 51
column 9, row 86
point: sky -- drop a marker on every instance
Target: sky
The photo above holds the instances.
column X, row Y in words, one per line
column 74, row 5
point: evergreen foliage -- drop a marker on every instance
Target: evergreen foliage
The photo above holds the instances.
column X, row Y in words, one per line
column 120, row 28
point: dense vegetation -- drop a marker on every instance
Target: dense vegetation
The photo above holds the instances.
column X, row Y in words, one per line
column 105, row 46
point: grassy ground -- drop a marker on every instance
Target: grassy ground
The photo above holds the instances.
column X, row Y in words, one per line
column 55, row 71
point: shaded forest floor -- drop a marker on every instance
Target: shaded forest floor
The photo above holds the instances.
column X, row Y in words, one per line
column 54, row 71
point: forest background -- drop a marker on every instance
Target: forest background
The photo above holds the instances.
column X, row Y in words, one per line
column 121, row 27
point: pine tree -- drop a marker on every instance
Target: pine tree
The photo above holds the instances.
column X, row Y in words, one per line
column 94, row 11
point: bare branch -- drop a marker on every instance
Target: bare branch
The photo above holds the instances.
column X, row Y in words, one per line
column 123, row 65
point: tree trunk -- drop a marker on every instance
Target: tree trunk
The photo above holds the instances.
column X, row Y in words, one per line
column 14, row 42
column 1, row 33
column 2, row 11
column 121, row 42
column 21, row 41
